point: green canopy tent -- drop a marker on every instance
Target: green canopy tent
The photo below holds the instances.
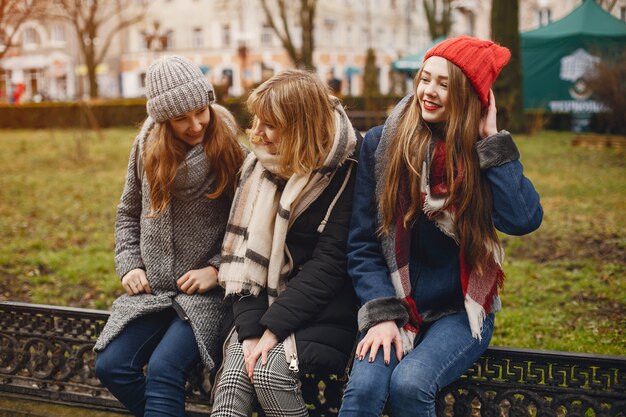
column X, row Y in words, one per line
column 556, row 57
column 410, row 64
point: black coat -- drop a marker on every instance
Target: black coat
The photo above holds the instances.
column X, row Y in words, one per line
column 319, row 303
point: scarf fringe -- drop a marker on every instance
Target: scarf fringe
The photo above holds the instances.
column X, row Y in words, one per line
column 408, row 339
column 476, row 316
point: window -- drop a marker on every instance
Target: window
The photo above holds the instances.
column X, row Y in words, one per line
column 226, row 35
column 58, row 33
column 32, row 79
column 30, row 37
column 267, row 35
column 329, row 27
column 544, row 16
column 197, row 40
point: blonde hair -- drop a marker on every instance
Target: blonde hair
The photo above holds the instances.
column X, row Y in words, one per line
column 164, row 153
column 299, row 105
column 472, row 195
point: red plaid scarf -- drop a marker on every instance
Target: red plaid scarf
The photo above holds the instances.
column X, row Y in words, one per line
column 480, row 290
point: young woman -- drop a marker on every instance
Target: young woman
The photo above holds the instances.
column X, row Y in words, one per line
column 284, row 254
column 432, row 187
column 168, row 234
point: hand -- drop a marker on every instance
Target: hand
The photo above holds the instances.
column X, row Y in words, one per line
column 248, row 346
column 265, row 344
column 487, row 126
column 135, row 282
column 198, row 280
column 384, row 333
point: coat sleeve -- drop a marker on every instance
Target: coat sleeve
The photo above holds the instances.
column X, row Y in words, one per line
column 321, row 278
column 516, row 206
column 127, row 221
column 247, row 311
column 366, row 264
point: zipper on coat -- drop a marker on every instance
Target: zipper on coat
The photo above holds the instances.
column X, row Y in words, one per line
column 293, row 364
column 291, row 353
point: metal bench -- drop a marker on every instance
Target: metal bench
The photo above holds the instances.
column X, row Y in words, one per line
column 363, row 120
column 46, row 355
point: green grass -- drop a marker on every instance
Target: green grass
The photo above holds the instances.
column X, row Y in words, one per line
column 565, row 287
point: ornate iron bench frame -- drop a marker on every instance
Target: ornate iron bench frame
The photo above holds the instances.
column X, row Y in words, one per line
column 46, row 354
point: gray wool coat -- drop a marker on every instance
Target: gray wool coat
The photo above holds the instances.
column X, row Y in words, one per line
column 187, row 236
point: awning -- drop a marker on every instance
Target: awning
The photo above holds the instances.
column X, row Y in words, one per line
column 412, row 63
column 350, row 71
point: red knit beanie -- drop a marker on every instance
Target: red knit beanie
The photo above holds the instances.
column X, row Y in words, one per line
column 480, row 61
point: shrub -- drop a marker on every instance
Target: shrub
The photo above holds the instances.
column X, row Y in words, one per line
column 608, row 83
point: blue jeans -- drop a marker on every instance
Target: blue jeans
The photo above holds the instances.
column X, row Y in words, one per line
column 167, row 345
column 445, row 350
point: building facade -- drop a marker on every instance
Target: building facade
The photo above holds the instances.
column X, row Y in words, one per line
column 233, row 43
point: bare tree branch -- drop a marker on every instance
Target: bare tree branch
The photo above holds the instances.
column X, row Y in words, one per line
column 306, row 14
column 91, row 22
column 13, row 14
column 439, row 24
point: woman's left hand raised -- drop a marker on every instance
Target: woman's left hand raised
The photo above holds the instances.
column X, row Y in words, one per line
column 198, row 280
column 488, row 126
column 267, row 342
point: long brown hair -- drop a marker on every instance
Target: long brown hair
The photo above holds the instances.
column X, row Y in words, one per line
column 471, row 196
column 164, row 153
column 299, row 105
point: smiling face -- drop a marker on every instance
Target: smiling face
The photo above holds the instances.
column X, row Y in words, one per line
column 267, row 135
column 190, row 127
column 432, row 90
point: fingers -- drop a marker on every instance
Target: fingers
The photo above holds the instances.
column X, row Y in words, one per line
column 187, row 283
column 387, row 352
column 250, row 363
column 198, row 280
column 135, row 282
column 368, row 347
column 189, row 287
column 492, row 99
column 373, row 351
column 145, row 285
column 397, row 343
column 182, row 280
column 363, row 347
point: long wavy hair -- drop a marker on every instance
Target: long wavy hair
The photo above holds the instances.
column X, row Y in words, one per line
column 471, row 197
column 299, row 105
column 164, row 153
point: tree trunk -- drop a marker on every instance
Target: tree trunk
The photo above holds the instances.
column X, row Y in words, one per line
column 307, row 20
column 439, row 24
column 508, row 86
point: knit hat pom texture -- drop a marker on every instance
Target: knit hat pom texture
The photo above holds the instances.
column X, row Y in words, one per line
column 175, row 86
column 480, row 61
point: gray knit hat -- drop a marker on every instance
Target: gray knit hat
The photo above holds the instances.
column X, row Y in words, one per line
column 175, row 86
